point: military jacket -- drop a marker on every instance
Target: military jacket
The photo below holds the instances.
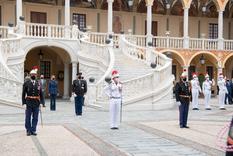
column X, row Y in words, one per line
column 30, row 92
column 182, row 88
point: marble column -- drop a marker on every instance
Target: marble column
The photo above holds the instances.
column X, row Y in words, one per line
column 66, row 81
column 186, row 25
column 220, row 30
column 149, row 23
column 110, row 16
column 19, row 10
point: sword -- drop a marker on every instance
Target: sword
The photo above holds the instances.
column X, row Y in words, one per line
column 41, row 120
column 121, row 111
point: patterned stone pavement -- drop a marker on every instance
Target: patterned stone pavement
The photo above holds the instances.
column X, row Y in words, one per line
column 142, row 133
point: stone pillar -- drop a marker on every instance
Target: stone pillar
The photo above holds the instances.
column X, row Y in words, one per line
column 66, row 81
column 186, row 24
column 74, row 70
column 110, row 3
column 149, row 22
column 67, row 18
column 19, row 10
column 220, row 30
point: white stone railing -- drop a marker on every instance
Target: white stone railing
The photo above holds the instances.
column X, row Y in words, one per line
column 203, row 44
column 136, row 87
column 10, row 47
column 100, row 38
column 4, row 32
column 102, row 54
column 11, row 87
column 228, row 44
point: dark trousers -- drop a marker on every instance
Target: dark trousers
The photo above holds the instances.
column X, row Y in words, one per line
column 53, row 101
column 229, row 153
column 184, row 109
column 43, row 98
column 228, row 96
column 78, row 105
column 30, row 125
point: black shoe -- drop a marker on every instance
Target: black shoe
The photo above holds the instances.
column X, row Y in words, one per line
column 208, row 109
column 29, row 133
column 34, row 133
column 181, row 126
column 195, row 109
column 222, row 108
column 114, row 128
column 186, row 126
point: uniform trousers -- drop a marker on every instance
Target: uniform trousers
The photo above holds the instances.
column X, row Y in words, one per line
column 115, row 105
column 78, row 104
column 195, row 94
column 207, row 94
column 221, row 98
column 43, row 98
column 183, row 110
column 53, row 101
column 33, row 112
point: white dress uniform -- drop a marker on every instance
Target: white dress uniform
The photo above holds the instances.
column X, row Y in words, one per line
column 206, row 88
column 114, row 92
column 195, row 92
column 222, row 92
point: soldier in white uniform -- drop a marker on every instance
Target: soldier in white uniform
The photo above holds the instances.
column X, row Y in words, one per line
column 195, row 91
column 114, row 92
column 222, row 91
column 206, row 88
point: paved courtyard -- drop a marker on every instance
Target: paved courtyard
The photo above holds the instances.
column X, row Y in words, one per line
column 142, row 133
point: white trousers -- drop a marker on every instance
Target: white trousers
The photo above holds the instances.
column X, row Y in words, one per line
column 207, row 94
column 221, row 98
column 114, row 112
column 195, row 94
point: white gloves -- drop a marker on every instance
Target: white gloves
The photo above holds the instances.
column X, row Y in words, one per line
column 74, row 95
column 178, row 103
column 24, row 106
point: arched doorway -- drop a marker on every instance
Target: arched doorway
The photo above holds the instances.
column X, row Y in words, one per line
column 177, row 63
column 51, row 61
column 201, row 64
column 228, row 67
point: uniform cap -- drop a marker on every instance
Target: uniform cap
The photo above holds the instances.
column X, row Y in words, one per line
column 34, row 70
column 207, row 75
column 194, row 75
column 183, row 74
column 115, row 74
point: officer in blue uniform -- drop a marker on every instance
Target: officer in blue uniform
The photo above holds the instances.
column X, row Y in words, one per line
column 31, row 97
column 183, row 93
column 79, row 89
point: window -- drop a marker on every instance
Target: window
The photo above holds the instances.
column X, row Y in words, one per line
column 80, row 20
column 45, row 69
column 213, row 30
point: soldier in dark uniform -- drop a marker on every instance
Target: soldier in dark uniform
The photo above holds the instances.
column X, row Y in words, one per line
column 183, row 93
column 31, row 97
column 79, row 88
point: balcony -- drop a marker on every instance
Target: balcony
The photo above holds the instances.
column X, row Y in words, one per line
column 50, row 31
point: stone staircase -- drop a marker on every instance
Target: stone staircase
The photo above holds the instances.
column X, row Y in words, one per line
column 129, row 68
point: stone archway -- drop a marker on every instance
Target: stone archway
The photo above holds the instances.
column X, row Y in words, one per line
column 51, row 60
column 178, row 62
column 209, row 65
column 228, row 66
